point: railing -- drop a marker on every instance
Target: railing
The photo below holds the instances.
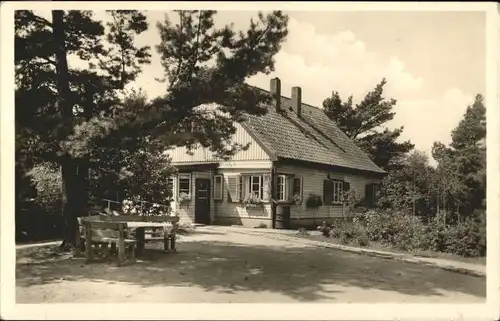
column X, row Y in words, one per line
column 117, row 206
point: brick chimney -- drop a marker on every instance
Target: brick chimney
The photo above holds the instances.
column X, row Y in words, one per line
column 276, row 92
column 297, row 100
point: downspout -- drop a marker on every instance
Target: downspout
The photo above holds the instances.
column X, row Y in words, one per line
column 273, row 194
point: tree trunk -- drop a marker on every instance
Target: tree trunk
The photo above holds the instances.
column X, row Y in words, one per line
column 72, row 183
column 437, row 202
column 444, row 209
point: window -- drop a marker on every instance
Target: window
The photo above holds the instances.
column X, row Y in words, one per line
column 218, row 187
column 297, row 187
column 337, row 192
column 239, row 191
column 255, row 186
column 287, row 187
column 371, row 194
column 185, row 184
column 241, row 186
column 281, row 185
column 333, row 191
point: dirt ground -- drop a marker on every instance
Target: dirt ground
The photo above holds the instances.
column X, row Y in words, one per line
column 221, row 265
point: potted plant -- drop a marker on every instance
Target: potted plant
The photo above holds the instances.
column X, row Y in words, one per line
column 252, row 200
column 297, row 199
column 184, row 199
column 313, row 201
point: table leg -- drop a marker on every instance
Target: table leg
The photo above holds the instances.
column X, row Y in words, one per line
column 166, row 245
column 140, row 236
column 88, row 244
column 121, row 246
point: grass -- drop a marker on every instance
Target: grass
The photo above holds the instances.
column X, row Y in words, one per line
column 383, row 247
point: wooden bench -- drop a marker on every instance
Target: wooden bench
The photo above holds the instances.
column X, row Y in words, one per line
column 105, row 233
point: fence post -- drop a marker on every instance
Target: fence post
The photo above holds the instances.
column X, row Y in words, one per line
column 109, row 207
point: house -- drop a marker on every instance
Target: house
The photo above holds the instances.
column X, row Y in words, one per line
column 295, row 151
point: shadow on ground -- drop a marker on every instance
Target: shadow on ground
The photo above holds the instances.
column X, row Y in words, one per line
column 303, row 273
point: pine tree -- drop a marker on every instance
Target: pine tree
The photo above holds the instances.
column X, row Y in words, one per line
column 364, row 122
column 462, row 165
column 78, row 119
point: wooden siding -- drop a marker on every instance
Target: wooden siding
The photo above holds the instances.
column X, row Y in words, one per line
column 186, row 211
column 223, row 212
column 312, row 182
column 254, row 152
column 234, row 213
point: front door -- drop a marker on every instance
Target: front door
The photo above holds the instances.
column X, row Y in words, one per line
column 202, row 201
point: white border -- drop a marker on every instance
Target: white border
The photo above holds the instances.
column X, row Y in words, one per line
column 9, row 310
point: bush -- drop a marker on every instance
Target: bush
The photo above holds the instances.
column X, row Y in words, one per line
column 406, row 232
column 353, row 234
column 465, row 239
column 335, row 232
column 361, row 237
column 313, row 201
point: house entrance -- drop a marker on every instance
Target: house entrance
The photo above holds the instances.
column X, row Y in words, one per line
column 202, row 201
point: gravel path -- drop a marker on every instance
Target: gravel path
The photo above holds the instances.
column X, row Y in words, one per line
column 221, row 265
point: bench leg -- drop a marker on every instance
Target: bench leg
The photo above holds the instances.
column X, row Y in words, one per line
column 166, row 243
column 172, row 243
column 106, row 250
column 121, row 251
column 88, row 248
column 131, row 251
column 140, row 237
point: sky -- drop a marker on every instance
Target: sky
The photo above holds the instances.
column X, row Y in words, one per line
column 434, row 62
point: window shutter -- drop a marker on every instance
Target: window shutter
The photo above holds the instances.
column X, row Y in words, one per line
column 347, row 186
column 266, row 187
column 327, row 192
column 369, row 194
column 232, row 189
column 218, row 187
column 301, row 191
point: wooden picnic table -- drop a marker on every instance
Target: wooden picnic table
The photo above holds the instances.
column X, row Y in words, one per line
column 137, row 223
column 140, row 234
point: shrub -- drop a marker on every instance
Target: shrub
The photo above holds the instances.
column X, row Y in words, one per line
column 324, row 229
column 465, row 239
column 313, row 201
column 345, row 237
column 47, row 180
column 351, row 233
column 335, row 232
column 406, row 232
column 361, row 237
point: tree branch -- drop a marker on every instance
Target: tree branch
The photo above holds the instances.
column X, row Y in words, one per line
column 180, row 60
column 196, row 48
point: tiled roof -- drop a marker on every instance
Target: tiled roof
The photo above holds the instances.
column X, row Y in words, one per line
column 313, row 137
